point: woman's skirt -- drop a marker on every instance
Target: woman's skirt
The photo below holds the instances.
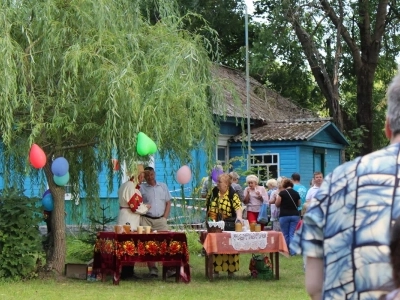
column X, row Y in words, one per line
column 226, row 262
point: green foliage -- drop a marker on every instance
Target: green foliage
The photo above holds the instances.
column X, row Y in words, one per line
column 227, row 18
column 299, row 29
column 20, row 240
column 354, row 137
column 96, row 225
column 78, row 249
column 194, row 245
column 82, row 78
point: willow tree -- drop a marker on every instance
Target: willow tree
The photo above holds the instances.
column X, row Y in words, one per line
column 81, row 78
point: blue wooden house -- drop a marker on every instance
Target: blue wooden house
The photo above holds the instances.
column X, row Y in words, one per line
column 284, row 139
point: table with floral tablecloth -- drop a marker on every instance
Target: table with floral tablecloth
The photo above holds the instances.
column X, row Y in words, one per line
column 112, row 251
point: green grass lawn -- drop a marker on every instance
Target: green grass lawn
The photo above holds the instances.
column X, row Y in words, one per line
column 290, row 286
column 241, row 287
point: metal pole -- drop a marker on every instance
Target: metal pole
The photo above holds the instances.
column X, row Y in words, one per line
column 247, row 89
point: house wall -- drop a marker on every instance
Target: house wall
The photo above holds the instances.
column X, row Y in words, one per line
column 294, row 156
column 306, row 165
column 332, row 160
column 229, row 128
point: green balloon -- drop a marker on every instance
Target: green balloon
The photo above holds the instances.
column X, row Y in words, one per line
column 152, row 147
column 61, row 180
column 145, row 145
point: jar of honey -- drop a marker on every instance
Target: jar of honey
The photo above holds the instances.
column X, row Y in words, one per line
column 238, row 226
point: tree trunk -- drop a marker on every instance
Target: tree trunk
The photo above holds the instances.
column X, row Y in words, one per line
column 56, row 252
column 365, row 81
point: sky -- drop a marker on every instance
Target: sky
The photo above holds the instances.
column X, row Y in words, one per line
column 249, row 4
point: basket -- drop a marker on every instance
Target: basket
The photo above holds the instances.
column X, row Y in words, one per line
column 215, row 227
column 265, row 275
column 260, row 267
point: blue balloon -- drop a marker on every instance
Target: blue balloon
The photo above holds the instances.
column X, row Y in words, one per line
column 48, row 202
column 61, row 180
column 60, row 166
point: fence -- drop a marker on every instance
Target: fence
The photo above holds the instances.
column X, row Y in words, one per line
column 183, row 211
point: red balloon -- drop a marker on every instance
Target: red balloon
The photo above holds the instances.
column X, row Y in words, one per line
column 37, row 157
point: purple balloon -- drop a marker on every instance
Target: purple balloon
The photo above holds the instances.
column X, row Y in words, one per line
column 60, row 166
column 215, row 174
column 46, row 193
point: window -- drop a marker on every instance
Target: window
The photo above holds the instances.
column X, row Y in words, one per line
column 222, row 155
column 68, row 189
column 265, row 166
column 222, row 150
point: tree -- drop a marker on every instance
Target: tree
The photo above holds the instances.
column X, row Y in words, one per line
column 227, row 18
column 281, row 67
column 82, row 78
column 337, row 44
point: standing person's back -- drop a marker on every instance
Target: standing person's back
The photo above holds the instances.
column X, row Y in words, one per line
column 301, row 189
column 395, row 260
column 346, row 230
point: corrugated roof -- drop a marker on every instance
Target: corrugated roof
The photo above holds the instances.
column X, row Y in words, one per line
column 265, row 104
column 285, row 131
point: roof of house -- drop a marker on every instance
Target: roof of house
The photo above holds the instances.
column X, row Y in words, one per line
column 296, row 130
column 265, row 105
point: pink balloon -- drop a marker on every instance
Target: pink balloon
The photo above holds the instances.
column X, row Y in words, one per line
column 183, row 175
column 37, row 157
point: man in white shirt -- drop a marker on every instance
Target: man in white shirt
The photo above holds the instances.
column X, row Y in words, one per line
column 318, row 178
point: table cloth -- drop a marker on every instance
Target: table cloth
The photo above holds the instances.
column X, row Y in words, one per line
column 112, row 251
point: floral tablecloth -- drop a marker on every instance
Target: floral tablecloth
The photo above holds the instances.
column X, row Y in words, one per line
column 112, row 251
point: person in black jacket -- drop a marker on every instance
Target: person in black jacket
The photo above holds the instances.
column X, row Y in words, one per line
column 288, row 200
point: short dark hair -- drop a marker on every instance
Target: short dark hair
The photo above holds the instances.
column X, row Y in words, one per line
column 296, row 176
column 149, row 169
column 287, row 183
column 318, row 173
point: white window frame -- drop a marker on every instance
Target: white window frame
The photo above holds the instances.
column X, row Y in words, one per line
column 262, row 164
column 223, row 143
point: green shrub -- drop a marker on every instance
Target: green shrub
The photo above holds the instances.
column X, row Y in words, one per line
column 193, row 240
column 78, row 249
column 20, row 239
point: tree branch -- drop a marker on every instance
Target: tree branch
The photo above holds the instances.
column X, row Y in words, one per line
column 77, row 146
column 380, row 24
column 344, row 33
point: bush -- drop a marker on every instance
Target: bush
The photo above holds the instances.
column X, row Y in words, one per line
column 20, row 239
column 78, row 249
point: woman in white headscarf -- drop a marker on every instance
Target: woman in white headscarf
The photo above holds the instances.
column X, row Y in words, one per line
column 130, row 201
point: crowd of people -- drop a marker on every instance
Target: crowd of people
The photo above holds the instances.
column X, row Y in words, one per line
column 350, row 234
